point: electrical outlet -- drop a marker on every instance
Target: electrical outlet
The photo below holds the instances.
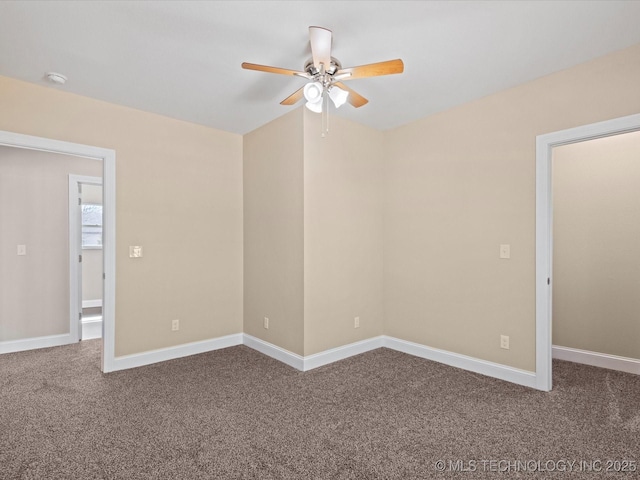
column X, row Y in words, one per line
column 504, row 342
column 175, row 325
column 266, row 323
column 22, row 249
column 356, row 322
column 505, row 251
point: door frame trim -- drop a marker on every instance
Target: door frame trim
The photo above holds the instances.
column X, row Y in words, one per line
column 544, row 228
column 108, row 158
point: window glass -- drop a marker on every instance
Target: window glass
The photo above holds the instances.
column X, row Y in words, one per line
column 91, row 226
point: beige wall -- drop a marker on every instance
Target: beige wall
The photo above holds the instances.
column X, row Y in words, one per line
column 92, row 194
column 34, row 211
column 92, row 258
column 458, row 184
column 342, row 233
column 596, row 245
column 313, row 233
column 179, row 195
column 273, row 232
column 455, row 186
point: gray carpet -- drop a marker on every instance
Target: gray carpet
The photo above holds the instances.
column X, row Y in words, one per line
column 236, row 413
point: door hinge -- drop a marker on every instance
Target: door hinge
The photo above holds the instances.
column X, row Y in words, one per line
column 79, row 201
column 548, row 281
column 80, row 316
column 80, row 258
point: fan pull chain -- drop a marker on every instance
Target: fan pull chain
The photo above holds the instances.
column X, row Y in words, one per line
column 325, row 113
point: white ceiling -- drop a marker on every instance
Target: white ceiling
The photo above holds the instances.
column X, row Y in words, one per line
column 182, row 59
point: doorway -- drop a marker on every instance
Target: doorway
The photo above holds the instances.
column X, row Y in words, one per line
column 544, row 229
column 85, row 254
column 107, row 158
column 596, row 252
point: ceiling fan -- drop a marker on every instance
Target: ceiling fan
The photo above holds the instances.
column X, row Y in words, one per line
column 326, row 75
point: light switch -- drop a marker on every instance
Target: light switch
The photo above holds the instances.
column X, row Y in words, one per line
column 22, row 249
column 505, row 251
column 135, row 251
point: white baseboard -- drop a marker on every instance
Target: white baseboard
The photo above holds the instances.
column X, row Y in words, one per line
column 495, row 370
column 92, row 303
column 502, row 372
column 312, row 361
column 33, row 343
column 340, row 353
column 602, row 360
column 92, row 328
column 179, row 351
column 490, row 369
column 285, row 356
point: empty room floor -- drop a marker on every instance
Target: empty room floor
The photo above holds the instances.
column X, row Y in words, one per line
column 235, row 413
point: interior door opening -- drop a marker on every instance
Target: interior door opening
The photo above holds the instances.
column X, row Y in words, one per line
column 85, row 249
column 544, row 229
column 596, row 252
column 10, row 341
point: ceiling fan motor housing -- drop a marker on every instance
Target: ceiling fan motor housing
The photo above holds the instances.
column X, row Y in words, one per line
column 331, row 69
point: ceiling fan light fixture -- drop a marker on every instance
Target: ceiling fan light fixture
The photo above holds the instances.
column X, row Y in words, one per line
column 338, row 96
column 326, row 74
column 313, row 92
column 314, row 107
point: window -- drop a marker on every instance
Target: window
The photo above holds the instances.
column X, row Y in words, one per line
column 91, row 226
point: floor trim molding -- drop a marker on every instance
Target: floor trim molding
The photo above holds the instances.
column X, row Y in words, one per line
column 269, row 349
column 596, row 359
column 483, row 367
column 12, row 346
column 316, row 360
column 91, row 328
column 340, row 353
column 92, row 303
column 170, row 353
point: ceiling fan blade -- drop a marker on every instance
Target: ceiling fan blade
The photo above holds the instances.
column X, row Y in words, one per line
column 295, row 97
column 320, row 40
column 354, row 97
column 268, row 69
column 373, row 69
